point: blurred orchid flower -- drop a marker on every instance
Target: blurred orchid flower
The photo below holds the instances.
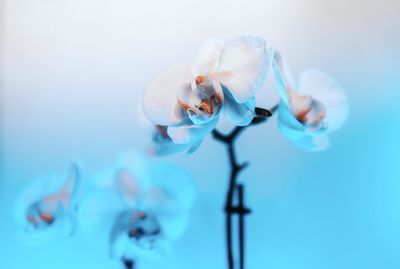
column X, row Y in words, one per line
column 49, row 206
column 185, row 101
column 310, row 110
column 146, row 205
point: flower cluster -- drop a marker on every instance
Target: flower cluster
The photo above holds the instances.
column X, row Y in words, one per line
column 142, row 205
column 185, row 101
column 138, row 206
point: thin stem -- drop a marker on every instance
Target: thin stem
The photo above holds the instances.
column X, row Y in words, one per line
column 240, row 189
column 261, row 115
column 128, row 263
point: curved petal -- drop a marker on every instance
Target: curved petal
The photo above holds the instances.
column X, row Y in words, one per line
column 207, row 60
column 171, row 197
column 191, row 133
column 327, row 91
column 313, row 143
column 163, row 145
column 71, row 187
column 159, row 99
column 283, row 77
column 168, row 147
column 55, row 195
column 174, row 225
column 288, row 124
column 98, row 210
column 309, row 137
column 128, row 186
column 243, row 66
column 240, row 114
column 176, row 183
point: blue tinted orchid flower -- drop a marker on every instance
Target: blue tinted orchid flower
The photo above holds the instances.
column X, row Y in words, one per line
column 49, row 206
column 146, row 206
column 311, row 109
column 185, row 101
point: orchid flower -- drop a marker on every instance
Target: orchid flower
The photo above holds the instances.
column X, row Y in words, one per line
column 185, row 101
column 311, row 109
column 49, row 205
column 146, row 205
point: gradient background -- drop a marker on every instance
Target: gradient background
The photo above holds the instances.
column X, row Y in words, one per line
column 71, row 75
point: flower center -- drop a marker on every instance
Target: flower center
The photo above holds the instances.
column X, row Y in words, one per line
column 306, row 109
column 41, row 216
column 144, row 230
column 199, row 100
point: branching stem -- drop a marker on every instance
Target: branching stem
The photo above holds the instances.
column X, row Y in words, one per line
column 234, row 188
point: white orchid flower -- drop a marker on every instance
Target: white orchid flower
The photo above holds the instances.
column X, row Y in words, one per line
column 311, row 109
column 47, row 209
column 146, row 206
column 185, row 100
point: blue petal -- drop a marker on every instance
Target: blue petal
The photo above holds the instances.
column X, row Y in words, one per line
column 240, row 114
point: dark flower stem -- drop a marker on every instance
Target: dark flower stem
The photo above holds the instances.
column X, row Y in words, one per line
column 235, row 189
column 128, row 263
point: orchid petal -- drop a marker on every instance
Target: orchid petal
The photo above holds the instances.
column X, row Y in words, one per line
column 54, row 195
column 168, row 147
column 327, row 91
column 191, row 133
column 283, row 77
column 288, row 124
column 240, row 114
column 129, row 186
column 207, row 60
column 313, row 143
column 309, row 137
column 159, row 99
column 163, row 145
column 99, row 208
column 177, row 183
column 174, row 225
column 243, row 66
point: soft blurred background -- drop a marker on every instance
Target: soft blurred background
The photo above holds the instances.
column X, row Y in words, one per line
column 71, row 74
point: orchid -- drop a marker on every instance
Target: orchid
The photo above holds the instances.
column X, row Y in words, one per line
column 144, row 205
column 185, row 101
column 49, row 206
column 311, row 109
column 138, row 207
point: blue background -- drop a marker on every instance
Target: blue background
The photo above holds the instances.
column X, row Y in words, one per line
column 71, row 77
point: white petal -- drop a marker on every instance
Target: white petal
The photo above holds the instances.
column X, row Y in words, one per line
column 240, row 114
column 118, row 246
column 128, row 186
column 174, row 226
column 327, row 91
column 159, row 99
column 243, row 66
column 304, row 136
column 191, row 133
column 71, row 186
column 99, row 208
column 313, row 143
column 137, row 174
column 169, row 147
column 171, row 197
column 288, row 124
column 283, row 77
column 177, row 184
column 163, row 145
column 207, row 59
